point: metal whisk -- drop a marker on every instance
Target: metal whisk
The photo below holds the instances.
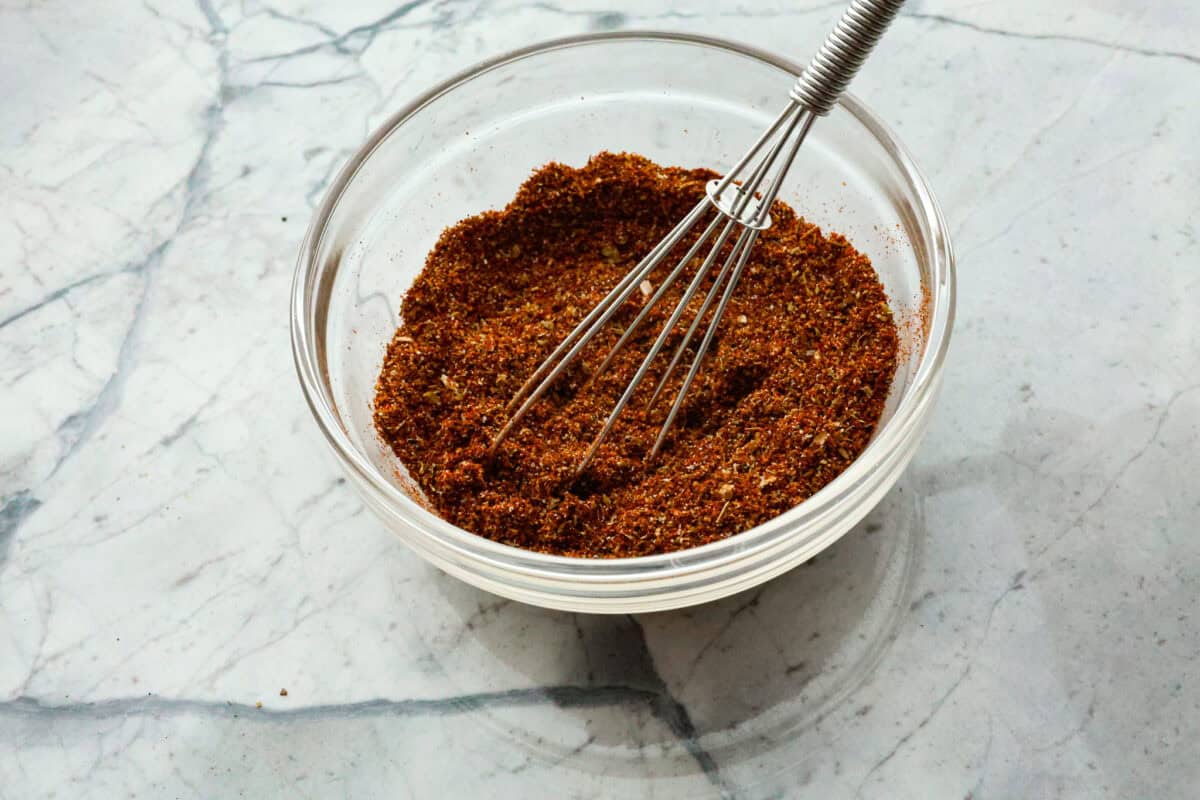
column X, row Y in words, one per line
column 741, row 200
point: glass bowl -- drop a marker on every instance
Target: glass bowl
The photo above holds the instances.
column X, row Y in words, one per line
column 467, row 144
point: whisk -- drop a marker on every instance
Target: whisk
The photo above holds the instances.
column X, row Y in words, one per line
column 741, row 200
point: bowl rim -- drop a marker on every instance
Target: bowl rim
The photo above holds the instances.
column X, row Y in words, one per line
column 939, row 318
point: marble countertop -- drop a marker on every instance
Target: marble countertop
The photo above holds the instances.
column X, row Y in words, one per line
column 1018, row 618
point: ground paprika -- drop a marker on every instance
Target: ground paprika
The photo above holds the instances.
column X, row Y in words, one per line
column 787, row 398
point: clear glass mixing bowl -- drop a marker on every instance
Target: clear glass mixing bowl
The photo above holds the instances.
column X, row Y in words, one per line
column 467, row 144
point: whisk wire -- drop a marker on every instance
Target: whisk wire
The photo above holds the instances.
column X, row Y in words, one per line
column 754, row 149
column 644, row 367
column 814, row 94
column 760, row 213
column 750, row 235
column 603, row 311
column 570, row 347
column 663, row 286
column 698, row 317
column 745, row 193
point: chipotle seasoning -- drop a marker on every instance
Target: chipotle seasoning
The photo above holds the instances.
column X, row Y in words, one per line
column 787, row 397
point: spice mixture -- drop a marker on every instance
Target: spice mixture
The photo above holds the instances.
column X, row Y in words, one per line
column 788, row 395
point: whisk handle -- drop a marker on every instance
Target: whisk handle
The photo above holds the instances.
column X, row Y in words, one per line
column 844, row 51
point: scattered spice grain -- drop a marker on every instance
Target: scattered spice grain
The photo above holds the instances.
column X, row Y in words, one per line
column 787, row 397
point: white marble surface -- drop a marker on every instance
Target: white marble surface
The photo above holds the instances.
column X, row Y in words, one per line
column 1018, row 619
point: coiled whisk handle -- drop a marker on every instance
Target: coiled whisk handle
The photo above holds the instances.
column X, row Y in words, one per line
column 844, row 51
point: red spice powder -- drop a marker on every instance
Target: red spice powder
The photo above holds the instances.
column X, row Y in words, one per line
column 787, row 397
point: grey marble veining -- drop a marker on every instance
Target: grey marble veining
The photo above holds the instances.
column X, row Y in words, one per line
column 1016, row 619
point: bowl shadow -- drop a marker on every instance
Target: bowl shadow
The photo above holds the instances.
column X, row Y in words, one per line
column 726, row 681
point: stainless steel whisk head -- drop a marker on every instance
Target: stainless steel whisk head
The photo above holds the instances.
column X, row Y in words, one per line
column 738, row 203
